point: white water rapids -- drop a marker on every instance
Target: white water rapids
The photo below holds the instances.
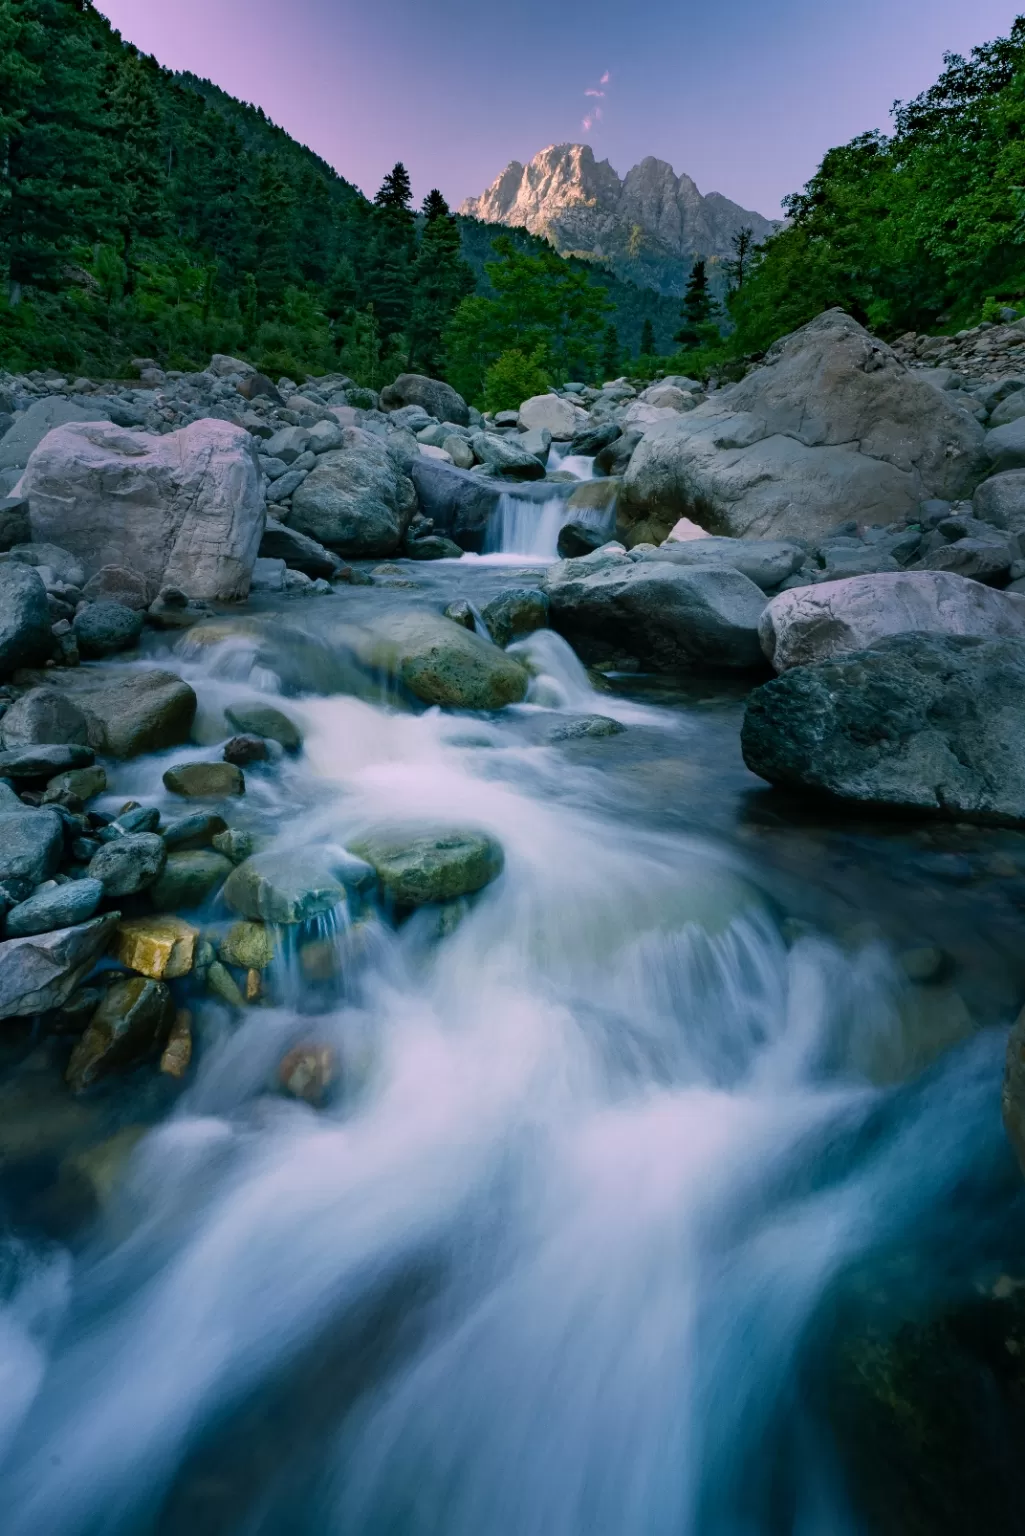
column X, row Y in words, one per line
column 554, row 1261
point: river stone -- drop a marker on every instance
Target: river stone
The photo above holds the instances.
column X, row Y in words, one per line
column 439, row 400
column 433, row 546
column 511, row 615
column 61, row 907
column 298, row 550
column 766, row 562
column 31, row 843
column 264, row 720
column 671, row 618
column 42, row 716
column 183, row 510
column 443, row 663
column 248, row 945
column 235, row 844
column 137, row 712
column 196, row 830
column 977, row 559
column 558, row 416
column 208, row 781
column 187, row 879
column 282, row 886
column 830, row 427
column 103, row 629
column 44, row 761
column 83, row 783
column 118, row 584
column 1005, row 446
column 41, row 972
column 503, row 456
column 131, row 1024
column 15, row 527
column 922, row 722
column 129, row 864
column 1000, row 500
column 817, row 623
column 53, row 561
column 245, row 749
column 25, row 637
column 585, row 726
column 415, row 866
column 578, row 537
column 162, row 947
column 357, row 500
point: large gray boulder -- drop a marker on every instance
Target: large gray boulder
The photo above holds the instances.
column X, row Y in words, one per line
column 504, row 456
column 809, row 624
column 440, row 662
column 357, row 500
column 42, row 716
column 439, row 400
column 1005, row 446
column 298, row 550
column 766, row 562
column 185, row 510
column 830, row 427
column 132, row 712
column 28, row 431
column 417, row 865
column 667, row 617
column 31, row 843
column 41, row 972
column 25, row 635
column 930, row 723
column 1001, row 500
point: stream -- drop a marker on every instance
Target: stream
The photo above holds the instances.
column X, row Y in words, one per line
column 621, row 1148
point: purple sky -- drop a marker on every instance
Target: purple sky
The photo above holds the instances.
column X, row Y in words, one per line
column 745, row 97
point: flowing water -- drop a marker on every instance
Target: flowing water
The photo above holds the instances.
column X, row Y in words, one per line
column 618, row 1144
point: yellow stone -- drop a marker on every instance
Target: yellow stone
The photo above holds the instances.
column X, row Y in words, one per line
column 252, row 985
column 178, row 1050
column 160, row 947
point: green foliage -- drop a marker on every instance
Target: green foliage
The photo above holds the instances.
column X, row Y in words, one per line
column 441, row 279
column 648, row 344
column 611, row 354
column 513, row 377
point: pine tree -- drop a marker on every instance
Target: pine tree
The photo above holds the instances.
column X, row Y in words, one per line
column 738, row 266
column 441, row 279
column 435, row 207
column 648, row 345
column 611, row 354
column 140, row 186
column 698, row 307
column 395, row 192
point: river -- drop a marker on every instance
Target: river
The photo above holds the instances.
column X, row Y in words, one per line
column 620, row 1151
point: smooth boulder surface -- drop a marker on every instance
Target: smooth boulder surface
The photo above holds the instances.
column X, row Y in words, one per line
column 504, row 456
column 830, row 427
column 25, row 636
column 298, row 550
column 440, row 662
column 41, row 716
column 932, row 723
column 283, row 886
column 418, row 866
column 438, row 399
column 666, row 617
column 205, row 781
column 511, row 615
column 185, row 510
column 42, row 416
column 264, row 720
column 1005, row 446
column 42, row 971
column 30, row 846
column 62, row 907
column 132, row 711
column 561, row 418
column 1000, row 500
column 356, row 500
column 766, row 562
column 189, row 877
column 129, row 864
column 811, row 624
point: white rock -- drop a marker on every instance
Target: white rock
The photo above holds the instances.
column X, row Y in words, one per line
column 683, row 530
column 436, row 453
column 668, row 397
column 185, row 510
column 561, row 417
column 810, row 624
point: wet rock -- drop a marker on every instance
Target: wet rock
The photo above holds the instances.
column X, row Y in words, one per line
column 130, row 864
column 118, row 584
column 31, row 843
column 25, row 638
column 138, row 712
column 434, row 546
column 235, row 844
column 503, row 456
column 439, row 400
column 131, row 1024
column 162, row 947
column 766, row 562
column 615, row 458
column 812, row 624
column 511, row 615
column 357, row 500
column 417, row 866
column 222, row 984
column 590, row 440
column 208, row 781
column 280, row 886
column 135, row 818
column 308, row 1072
column 185, row 509
column 298, row 551
column 248, row 945
column 187, row 879
column 245, row 749
column 931, row 723
column 83, row 783
column 265, row 720
column 52, row 561
column 443, row 663
column 42, row 716
column 578, row 537
column 196, row 830
column 671, row 618
column 103, row 629
column 171, row 609
column 43, row 762
column 558, row 416
column 41, row 972
column 62, row 907
column 585, row 726
column 177, row 1053
column 460, row 612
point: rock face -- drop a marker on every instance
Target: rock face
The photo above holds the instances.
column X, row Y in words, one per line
column 442, row 663
column 42, row 416
column 25, row 638
column 41, row 972
column 817, row 623
column 666, row 617
column 356, row 500
column 647, row 226
column 830, row 427
column 185, row 510
column 921, row 722
column 437, row 399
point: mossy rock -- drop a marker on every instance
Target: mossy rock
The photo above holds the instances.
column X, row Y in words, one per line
column 417, row 866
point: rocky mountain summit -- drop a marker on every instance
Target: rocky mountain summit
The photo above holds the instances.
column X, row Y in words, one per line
column 647, row 227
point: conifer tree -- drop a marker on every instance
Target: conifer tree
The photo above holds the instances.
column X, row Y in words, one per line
column 140, row 184
column 395, row 192
column 698, row 307
column 647, row 338
column 611, row 353
column 441, row 279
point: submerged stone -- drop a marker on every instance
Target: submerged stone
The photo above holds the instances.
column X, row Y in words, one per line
column 132, row 1022
column 418, row 866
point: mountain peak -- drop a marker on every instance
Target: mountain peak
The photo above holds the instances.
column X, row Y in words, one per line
column 648, row 226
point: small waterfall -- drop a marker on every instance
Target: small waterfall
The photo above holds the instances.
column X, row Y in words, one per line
column 577, row 464
column 527, row 529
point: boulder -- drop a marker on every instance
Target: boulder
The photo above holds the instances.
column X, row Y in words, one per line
column 977, row 559
column 830, row 427
column 811, row 624
column 131, row 1024
column 31, row 843
column 615, row 458
column 196, row 830
column 1005, row 446
column 42, row 416
column 129, row 864
column 118, row 584
column 298, row 551
column 357, row 500
column 103, row 629
column 83, row 783
column 578, row 537
column 766, row 562
column 183, row 510
column 434, row 546
column 264, row 720
column 44, row 761
column 663, row 616
column 420, row 865
column 53, row 563
column 283, row 886
column 15, row 527
column 245, row 749
column 504, row 456
column 511, row 615
column 1001, row 501
column 25, row 637
column 137, row 712
column 591, row 439
column 188, row 878
column 205, row 781
column 60, row 907
column 324, row 435
column 439, row 400
column 442, row 663
column 248, row 945
column 44, row 715
column 932, row 723
column 561, row 418
column 162, row 947
column 41, row 972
